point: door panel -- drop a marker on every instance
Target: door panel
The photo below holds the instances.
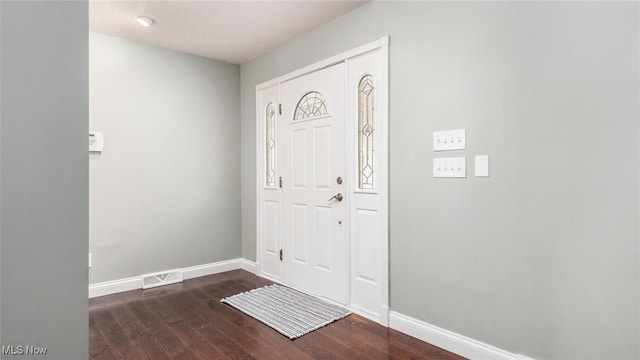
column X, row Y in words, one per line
column 323, row 231
column 322, row 153
column 298, row 155
column 270, row 221
column 366, row 240
column 299, row 238
column 314, row 225
column 272, row 243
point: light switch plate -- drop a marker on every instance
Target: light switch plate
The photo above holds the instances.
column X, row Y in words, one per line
column 451, row 167
column 482, row 165
column 449, row 140
column 96, row 142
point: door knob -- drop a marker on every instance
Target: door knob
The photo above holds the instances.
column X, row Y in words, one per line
column 337, row 196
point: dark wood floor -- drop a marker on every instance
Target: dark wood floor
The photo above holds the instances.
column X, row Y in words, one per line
column 187, row 321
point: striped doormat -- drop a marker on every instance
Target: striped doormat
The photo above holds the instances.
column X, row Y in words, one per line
column 287, row 311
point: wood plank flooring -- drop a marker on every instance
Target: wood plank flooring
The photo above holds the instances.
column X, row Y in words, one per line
column 187, row 321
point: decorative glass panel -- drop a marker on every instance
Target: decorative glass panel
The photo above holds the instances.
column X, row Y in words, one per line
column 366, row 107
column 270, row 141
column 311, row 105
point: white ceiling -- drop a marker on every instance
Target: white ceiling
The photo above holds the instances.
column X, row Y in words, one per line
column 232, row 31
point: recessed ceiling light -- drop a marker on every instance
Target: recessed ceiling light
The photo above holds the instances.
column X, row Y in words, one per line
column 145, row 21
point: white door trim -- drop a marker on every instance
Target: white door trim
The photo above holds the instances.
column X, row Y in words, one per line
column 382, row 128
column 380, row 43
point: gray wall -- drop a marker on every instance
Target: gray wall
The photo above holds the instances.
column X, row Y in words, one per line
column 44, row 181
column 1, row 178
column 542, row 257
column 165, row 192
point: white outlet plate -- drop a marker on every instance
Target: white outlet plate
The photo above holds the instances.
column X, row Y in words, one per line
column 451, row 167
column 450, row 140
column 482, row 165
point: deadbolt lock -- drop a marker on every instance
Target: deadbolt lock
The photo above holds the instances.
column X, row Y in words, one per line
column 339, row 180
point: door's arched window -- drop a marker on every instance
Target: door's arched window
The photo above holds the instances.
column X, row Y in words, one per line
column 366, row 127
column 270, row 141
column 311, row 105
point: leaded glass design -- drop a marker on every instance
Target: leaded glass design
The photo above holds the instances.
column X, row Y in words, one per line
column 311, row 105
column 366, row 107
column 270, row 141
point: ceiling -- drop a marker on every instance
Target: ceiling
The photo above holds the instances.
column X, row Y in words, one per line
column 231, row 31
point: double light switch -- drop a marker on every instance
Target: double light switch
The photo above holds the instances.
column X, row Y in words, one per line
column 449, row 167
column 449, row 140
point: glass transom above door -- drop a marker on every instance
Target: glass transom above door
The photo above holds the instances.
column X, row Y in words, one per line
column 311, row 105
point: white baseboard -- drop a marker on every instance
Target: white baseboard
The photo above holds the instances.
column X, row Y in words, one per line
column 365, row 313
column 448, row 340
column 115, row 286
column 134, row 283
column 210, row 269
column 267, row 276
column 384, row 315
column 248, row 265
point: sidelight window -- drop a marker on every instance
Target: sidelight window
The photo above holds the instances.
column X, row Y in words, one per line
column 366, row 108
column 270, row 141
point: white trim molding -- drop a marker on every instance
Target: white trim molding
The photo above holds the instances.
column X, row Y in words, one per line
column 380, row 43
column 448, row 340
column 115, row 286
column 135, row 283
column 249, row 266
column 210, row 269
column 367, row 314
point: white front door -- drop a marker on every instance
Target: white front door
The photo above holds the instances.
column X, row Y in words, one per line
column 314, row 203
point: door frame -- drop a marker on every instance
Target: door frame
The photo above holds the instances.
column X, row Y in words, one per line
column 382, row 153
